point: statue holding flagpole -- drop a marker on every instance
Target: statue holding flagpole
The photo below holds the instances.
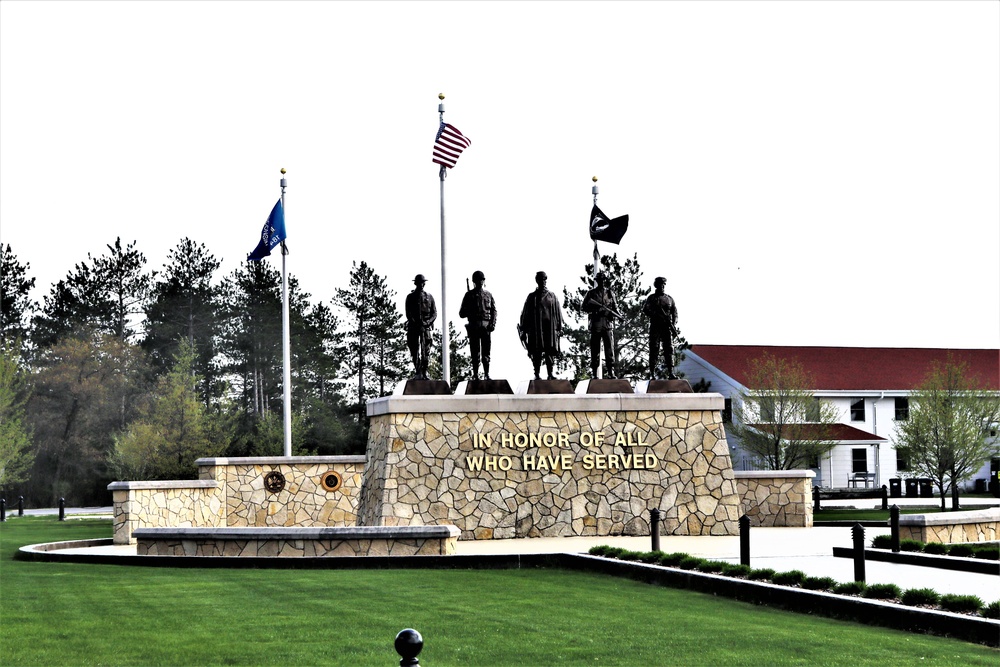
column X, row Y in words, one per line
column 599, row 303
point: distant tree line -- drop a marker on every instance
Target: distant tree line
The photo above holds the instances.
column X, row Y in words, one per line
column 123, row 372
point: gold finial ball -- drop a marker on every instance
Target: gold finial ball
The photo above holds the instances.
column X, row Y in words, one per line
column 594, row 179
column 282, row 170
column 440, row 96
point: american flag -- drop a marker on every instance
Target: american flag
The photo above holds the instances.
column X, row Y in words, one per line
column 448, row 145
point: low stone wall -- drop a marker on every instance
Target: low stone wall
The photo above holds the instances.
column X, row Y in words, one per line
column 951, row 527
column 297, row 542
column 502, row 466
column 165, row 504
column 231, row 493
column 777, row 497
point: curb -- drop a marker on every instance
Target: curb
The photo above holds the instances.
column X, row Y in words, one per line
column 956, row 563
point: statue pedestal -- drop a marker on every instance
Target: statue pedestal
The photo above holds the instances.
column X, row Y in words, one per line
column 480, row 387
column 422, row 388
column 534, row 465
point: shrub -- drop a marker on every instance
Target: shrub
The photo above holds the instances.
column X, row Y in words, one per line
column 652, row 557
column 881, row 592
column 920, row 596
column 910, row 545
column 960, row 603
column 790, row 578
column 849, row 588
column 673, row 559
column 819, row 583
column 960, row 550
column 992, row 610
column 690, row 562
column 710, row 566
column 762, row 574
column 882, row 542
column 935, row 548
column 735, row 570
column 599, row 550
column 987, row 551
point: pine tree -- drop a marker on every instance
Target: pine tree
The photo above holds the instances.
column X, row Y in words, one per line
column 16, row 305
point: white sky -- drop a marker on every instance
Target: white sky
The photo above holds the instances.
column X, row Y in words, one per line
column 803, row 173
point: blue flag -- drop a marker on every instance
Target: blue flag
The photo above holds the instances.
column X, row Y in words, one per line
column 272, row 234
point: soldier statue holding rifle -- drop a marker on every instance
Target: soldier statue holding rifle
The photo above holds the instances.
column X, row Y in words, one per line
column 601, row 308
column 480, row 309
column 420, row 315
column 662, row 313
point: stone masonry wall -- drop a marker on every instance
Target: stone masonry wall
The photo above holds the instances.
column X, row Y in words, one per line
column 164, row 504
column 777, row 497
column 434, row 467
column 951, row 527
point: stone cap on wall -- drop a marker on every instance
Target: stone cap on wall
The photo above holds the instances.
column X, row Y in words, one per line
column 164, row 484
column 281, row 460
column 950, row 518
column 545, row 403
column 293, row 533
column 771, row 474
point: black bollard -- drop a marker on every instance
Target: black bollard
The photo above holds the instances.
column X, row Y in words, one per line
column 744, row 540
column 816, row 499
column 408, row 645
column 654, row 529
column 885, row 497
column 858, row 532
column 20, row 505
column 894, row 528
column 3, row 509
column 62, row 509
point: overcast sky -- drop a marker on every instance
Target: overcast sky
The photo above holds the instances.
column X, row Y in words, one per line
column 802, row 173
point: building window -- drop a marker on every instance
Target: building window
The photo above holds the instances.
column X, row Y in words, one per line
column 812, row 411
column 766, row 405
column 901, row 463
column 859, row 459
column 727, row 411
column 858, row 410
column 902, row 409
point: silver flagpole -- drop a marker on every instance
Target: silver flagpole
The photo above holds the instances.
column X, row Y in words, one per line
column 445, row 345
column 597, row 265
column 286, row 378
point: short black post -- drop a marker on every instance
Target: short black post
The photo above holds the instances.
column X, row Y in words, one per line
column 858, row 532
column 3, row 509
column 744, row 540
column 408, row 645
column 816, row 499
column 894, row 528
column 885, row 497
column 62, row 509
column 20, row 505
column 654, row 529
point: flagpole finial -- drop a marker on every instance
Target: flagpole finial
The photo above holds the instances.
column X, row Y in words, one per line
column 594, row 179
column 283, row 171
column 441, row 96
column 593, row 190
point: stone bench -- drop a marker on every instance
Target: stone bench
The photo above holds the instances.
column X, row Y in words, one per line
column 298, row 542
column 951, row 527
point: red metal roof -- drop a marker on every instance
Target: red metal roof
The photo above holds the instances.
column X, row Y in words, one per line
column 856, row 368
column 837, row 432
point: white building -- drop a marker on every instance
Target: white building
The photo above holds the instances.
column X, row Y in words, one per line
column 869, row 387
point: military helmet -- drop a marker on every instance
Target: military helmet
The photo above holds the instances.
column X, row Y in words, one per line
column 660, row 281
column 478, row 275
column 420, row 278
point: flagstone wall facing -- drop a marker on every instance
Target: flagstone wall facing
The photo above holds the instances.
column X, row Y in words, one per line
column 555, row 465
column 777, row 497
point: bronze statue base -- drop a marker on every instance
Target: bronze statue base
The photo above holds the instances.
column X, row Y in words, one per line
column 550, row 387
column 488, row 387
column 426, row 388
column 669, row 387
column 609, row 386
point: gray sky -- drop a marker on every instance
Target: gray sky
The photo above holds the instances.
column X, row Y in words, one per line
column 804, row 173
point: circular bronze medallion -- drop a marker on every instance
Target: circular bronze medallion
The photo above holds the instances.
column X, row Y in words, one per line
column 331, row 481
column 274, row 481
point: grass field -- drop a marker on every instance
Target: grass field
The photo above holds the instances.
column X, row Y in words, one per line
column 83, row 614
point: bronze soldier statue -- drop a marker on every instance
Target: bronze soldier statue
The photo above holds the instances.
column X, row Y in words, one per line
column 601, row 309
column 480, row 309
column 541, row 326
column 662, row 313
column 420, row 315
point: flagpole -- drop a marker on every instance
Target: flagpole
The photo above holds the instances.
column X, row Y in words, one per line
column 445, row 344
column 286, row 380
column 597, row 264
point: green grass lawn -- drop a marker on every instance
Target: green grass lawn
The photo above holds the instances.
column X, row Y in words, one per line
column 83, row 614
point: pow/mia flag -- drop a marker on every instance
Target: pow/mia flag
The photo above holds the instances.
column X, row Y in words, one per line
column 604, row 229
